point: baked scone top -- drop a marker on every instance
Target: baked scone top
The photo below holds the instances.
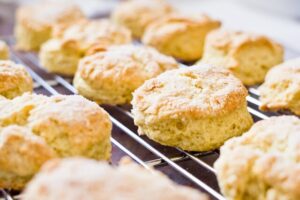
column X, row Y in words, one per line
column 268, row 155
column 78, row 178
column 124, row 64
column 47, row 14
column 4, row 52
column 198, row 91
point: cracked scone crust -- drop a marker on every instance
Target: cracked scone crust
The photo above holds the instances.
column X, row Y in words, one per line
column 196, row 108
column 14, row 79
column 137, row 15
column 62, row 53
column 78, row 178
column 21, row 156
column 110, row 77
column 248, row 56
column 35, row 24
column 263, row 163
column 69, row 125
column 281, row 89
column 180, row 36
column 4, row 52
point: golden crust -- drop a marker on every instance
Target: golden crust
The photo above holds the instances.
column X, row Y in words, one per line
column 195, row 108
column 111, row 76
column 137, row 15
column 36, row 23
column 21, row 155
column 247, row 55
column 181, row 36
column 14, row 79
column 264, row 160
column 62, row 53
column 281, row 89
column 4, row 51
column 78, row 178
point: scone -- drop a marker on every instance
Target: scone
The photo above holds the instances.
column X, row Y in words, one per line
column 136, row 15
column 195, row 109
column 67, row 125
column 281, row 89
column 180, row 36
column 248, row 56
column 78, row 178
column 110, row 77
column 4, row 52
column 36, row 23
column 62, row 53
column 21, row 156
column 263, row 164
column 14, row 79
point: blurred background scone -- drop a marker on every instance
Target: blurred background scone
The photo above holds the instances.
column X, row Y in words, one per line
column 179, row 35
column 36, row 23
column 110, row 76
column 14, row 79
column 281, row 89
column 246, row 55
column 136, row 15
column 263, row 163
column 78, row 178
column 62, row 53
column 196, row 108
column 4, row 52
column 21, row 156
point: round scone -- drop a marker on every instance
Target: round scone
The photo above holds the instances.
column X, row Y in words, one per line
column 136, row 15
column 61, row 54
column 4, row 52
column 36, row 23
column 180, row 36
column 14, row 79
column 78, row 178
column 110, row 77
column 263, row 163
column 196, row 108
column 248, row 56
column 21, row 156
column 281, row 89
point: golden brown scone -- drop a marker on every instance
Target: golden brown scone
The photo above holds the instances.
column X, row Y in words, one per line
column 21, row 156
column 180, row 36
column 61, row 54
column 196, row 108
column 262, row 164
column 136, row 15
column 14, row 79
column 36, row 23
column 248, row 56
column 4, row 52
column 110, row 77
column 78, row 178
column 281, row 89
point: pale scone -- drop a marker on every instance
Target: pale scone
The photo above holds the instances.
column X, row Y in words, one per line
column 264, row 163
column 281, row 89
column 4, row 51
column 21, row 156
column 196, row 108
column 248, row 56
column 78, row 178
column 36, row 23
column 110, row 77
column 180, row 36
column 62, row 53
column 14, row 79
column 67, row 125
column 136, row 15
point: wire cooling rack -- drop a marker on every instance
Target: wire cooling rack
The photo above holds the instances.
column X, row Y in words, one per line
column 194, row 169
